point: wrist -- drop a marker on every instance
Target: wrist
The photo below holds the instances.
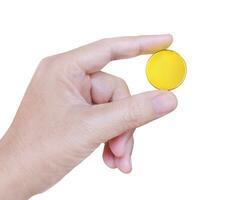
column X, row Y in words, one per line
column 13, row 183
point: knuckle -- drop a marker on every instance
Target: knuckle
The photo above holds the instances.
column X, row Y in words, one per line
column 48, row 65
column 133, row 115
column 121, row 82
column 49, row 62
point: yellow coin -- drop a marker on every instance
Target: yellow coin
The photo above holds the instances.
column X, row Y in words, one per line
column 166, row 70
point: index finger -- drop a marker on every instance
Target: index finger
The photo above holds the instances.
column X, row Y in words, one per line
column 93, row 57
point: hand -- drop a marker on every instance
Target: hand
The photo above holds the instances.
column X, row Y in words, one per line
column 70, row 108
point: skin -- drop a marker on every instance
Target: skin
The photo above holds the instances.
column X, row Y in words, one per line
column 70, row 108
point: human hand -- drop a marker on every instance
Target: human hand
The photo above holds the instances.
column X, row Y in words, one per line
column 70, row 108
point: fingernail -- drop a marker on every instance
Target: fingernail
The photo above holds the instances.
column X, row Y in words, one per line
column 164, row 103
column 168, row 37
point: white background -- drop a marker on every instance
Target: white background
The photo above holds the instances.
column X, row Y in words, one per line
column 193, row 153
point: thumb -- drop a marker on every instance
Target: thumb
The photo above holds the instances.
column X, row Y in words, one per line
column 117, row 117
